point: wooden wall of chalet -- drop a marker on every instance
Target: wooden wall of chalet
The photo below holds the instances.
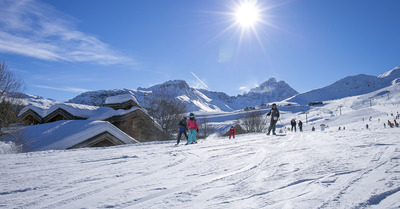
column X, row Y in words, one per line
column 138, row 125
column 238, row 130
column 104, row 139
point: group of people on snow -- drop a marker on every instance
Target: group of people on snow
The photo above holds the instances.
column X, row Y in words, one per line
column 192, row 126
column 293, row 124
column 188, row 125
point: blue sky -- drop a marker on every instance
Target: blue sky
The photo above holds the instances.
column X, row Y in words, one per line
column 63, row 48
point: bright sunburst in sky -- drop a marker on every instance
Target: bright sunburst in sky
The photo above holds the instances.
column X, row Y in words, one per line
column 247, row 14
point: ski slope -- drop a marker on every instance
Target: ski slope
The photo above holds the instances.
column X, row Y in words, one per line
column 352, row 168
column 330, row 169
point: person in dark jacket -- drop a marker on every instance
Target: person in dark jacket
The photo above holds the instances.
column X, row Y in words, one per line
column 300, row 126
column 293, row 123
column 274, row 113
column 182, row 130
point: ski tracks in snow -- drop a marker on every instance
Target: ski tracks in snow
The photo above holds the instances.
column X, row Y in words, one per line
column 362, row 182
column 299, row 170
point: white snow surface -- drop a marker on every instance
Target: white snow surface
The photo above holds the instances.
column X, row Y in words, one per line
column 348, row 169
column 354, row 168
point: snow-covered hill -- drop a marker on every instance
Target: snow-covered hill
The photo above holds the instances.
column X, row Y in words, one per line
column 26, row 99
column 349, row 86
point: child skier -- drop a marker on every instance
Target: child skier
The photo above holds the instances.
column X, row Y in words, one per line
column 182, row 130
column 193, row 128
column 232, row 132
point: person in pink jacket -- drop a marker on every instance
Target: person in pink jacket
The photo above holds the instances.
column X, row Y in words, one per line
column 193, row 128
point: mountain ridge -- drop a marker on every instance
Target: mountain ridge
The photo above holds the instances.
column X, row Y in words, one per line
column 198, row 99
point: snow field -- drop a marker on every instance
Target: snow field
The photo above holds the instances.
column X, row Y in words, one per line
column 347, row 169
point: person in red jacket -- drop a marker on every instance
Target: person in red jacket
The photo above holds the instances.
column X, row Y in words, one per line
column 232, row 132
column 193, row 128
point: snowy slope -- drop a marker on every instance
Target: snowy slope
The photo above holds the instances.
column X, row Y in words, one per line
column 355, row 168
column 352, row 169
column 26, row 99
column 349, row 86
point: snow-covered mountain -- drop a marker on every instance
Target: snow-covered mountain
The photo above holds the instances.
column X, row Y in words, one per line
column 269, row 91
column 349, row 86
column 97, row 98
column 27, row 99
column 201, row 100
column 197, row 99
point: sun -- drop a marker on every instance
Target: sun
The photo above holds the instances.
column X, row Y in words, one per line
column 247, row 14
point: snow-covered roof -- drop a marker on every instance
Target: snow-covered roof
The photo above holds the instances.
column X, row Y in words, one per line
column 120, row 99
column 67, row 133
column 78, row 110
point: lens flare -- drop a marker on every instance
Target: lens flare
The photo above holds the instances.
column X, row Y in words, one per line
column 247, row 14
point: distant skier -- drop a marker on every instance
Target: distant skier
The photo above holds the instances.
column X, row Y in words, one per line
column 313, row 128
column 182, row 130
column 301, row 126
column 390, row 124
column 293, row 123
column 274, row 113
column 396, row 124
column 366, row 126
column 232, row 132
column 193, row 128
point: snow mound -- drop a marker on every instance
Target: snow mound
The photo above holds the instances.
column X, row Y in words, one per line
column 8, row 148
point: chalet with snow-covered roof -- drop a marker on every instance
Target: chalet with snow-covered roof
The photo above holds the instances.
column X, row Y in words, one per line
column 122, row 111
column 124, row 101
column 69, row 134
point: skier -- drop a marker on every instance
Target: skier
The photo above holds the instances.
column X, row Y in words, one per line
column 390, row 124
column 396, row 124
column 366, row 126
column 182, row 130
column 232, row 132
column 293, row 123
column 301, row 126
column 274, row 113
column 193, row 128
column 313, row 129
